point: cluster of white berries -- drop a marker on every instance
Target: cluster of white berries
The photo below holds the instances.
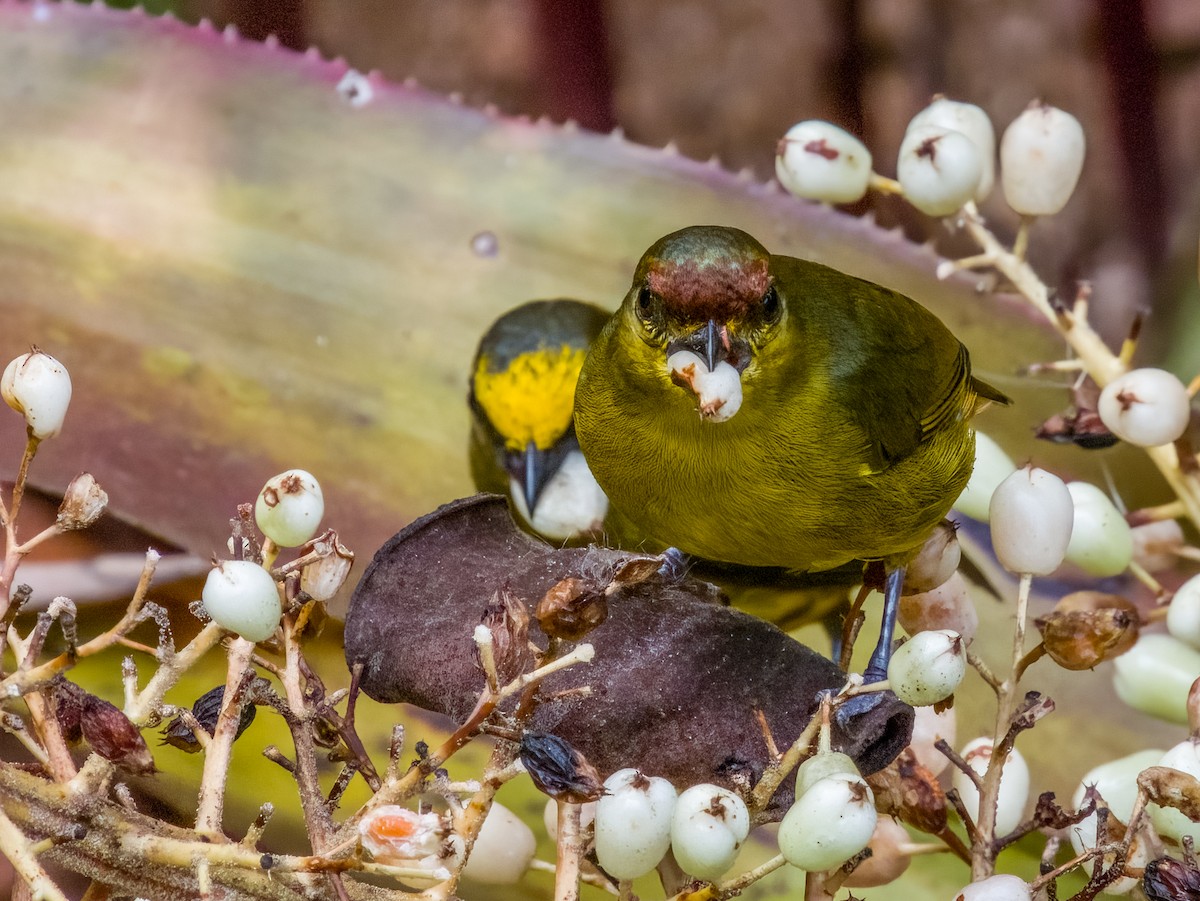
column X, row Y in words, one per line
column 640, row 817
column 1043, row 521
column 242, row 596
column 833, row 817
column 947, row 159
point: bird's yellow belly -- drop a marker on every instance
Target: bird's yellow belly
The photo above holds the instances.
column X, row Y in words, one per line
column 759, row 500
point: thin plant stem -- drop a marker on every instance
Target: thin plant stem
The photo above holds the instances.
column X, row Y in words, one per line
column 983, row 849
column 211, row 803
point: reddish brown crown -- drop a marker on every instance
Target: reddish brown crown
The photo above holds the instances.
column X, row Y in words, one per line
column 707, row 272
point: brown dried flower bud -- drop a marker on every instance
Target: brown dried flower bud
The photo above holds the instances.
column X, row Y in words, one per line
column 1088, row 627
column 206, row 710
column 1168, row 879
column 1099, row 600
column 111, row 735
column 82, row 504
column 558, row 770
column 634, row 570
column 68, row 708
column 571, row 609
column 323, row 578
column 911, row 793
column 507, row 618
column 1169, row 787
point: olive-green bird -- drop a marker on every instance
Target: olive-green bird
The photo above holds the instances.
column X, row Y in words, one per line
column 522, row 391
column 852, row 438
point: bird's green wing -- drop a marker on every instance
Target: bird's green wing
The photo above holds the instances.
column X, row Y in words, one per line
column 899, row 372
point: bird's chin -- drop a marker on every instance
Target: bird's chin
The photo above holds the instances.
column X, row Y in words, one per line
column 718, row 394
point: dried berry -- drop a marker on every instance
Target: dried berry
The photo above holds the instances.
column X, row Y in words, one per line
column 1080, row 639
column 206, row 710
column 1168, row 879
column 508, row 620
column 323, row 578
column 82, row 504
column 111, row 735
column 558, row 770
column 68, row 708
column 908, row 791
column 571, row 608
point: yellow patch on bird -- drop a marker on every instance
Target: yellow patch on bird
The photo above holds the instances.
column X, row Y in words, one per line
column 533, row 398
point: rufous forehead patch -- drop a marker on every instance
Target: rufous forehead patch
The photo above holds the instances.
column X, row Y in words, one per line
column 720, row 289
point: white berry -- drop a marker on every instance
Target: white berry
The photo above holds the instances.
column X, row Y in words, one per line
column 939, row 169
column 822, row 765
column 1116, row 784
column 1041, row 156
column 928, row 667
column 819, row 161
column 39, row 388
column 1155, row 676
column 1031, row 515
column 1169, row 822
column 971, row 121
column 707, row 829
column 1146, row 407
column 949, row 606
column 992, row 466
column 831, row 822
column 633, row 823
column 889, row 858
column 928, row 727
column 718, row 393
column 242, row 597
column 1155, row 543
column 1183, row 614
column 289, row 508
column 1014, row 784
column 502, row 850
column 587, row 816
column 935, row 562
column 1101, row 541
column 1001, row 887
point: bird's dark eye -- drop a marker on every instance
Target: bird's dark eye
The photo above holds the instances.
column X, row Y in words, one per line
column 645, row 302
column 771, row 305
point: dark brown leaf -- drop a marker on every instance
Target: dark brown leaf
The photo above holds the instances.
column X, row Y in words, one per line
column 676, row 678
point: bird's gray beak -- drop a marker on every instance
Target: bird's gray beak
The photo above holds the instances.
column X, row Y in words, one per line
column 532, row 469
column 714, row 344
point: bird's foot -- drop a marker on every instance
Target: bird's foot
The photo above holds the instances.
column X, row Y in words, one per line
column 675, row 564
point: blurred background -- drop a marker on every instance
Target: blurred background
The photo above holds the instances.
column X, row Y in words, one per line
column 727, row 79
